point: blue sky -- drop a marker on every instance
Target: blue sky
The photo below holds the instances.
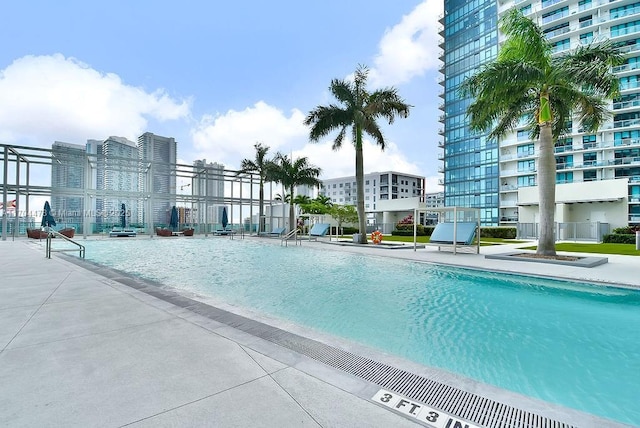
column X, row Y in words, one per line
column 217, row 76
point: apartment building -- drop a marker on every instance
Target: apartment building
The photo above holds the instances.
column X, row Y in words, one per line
column 208, row 182
column 598, row 175
column 68, row 168
column 158, row 177
column 378, row 186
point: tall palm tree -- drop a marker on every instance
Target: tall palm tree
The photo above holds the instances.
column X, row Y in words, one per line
column 260, row 166
column 292, row 174
column 526, row 80
column 358, row 111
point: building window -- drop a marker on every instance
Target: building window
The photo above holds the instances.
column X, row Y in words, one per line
column 527, row 181
column 526, row 165
column 589, row 175
column 586, row 38
column 564, row 177
column 525, row 150
column 588, row 141
column 590, row 159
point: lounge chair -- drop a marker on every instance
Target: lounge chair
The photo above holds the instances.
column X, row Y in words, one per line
column 276, row 231
column 122, row 233
column 163, row 232
column 225, row 231
column 442, row 235
column 318, row 230
column 36, row 233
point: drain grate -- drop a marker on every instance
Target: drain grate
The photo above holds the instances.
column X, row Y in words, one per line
column 465, row 405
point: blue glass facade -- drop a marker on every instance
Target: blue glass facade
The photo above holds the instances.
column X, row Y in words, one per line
column 471, row 175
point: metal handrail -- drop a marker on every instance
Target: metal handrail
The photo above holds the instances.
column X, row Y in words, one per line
column 293, row 234
column 49, row 250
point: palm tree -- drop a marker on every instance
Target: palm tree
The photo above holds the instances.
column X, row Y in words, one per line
column 359, row 112
column 292, row 174
column 527, row 81
column 261, row 166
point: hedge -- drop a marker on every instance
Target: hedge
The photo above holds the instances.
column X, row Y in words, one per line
column 498, row 232
column 619, row 238
column 346, row 230
column 624, row 230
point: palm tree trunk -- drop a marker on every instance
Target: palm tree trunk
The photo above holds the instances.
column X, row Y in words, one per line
column 261, row 208
column 362, row 224
column 292, row 214
column 546, row 191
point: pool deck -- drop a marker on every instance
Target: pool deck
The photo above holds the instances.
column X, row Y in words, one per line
column 78, row 348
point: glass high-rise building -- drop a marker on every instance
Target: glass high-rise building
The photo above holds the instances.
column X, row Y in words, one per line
column 598, row 175
column 68, row 167
column 470, row 39
column 208, row 182
column 158, row 156
column 120, row 177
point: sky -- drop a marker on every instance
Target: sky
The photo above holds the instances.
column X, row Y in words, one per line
column 218, row 76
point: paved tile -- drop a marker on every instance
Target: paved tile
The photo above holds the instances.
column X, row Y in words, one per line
column 115, row 378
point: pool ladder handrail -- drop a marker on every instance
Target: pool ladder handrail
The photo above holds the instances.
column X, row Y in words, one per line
column 49, row 250
column 293, row 234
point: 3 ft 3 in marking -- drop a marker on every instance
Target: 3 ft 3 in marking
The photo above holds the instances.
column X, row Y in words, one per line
column 420, row 411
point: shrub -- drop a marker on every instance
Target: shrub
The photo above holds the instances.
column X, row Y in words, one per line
column 347, row 230
column 625, row 230
column 407, row 230
column 498, row 232
column 619, row 238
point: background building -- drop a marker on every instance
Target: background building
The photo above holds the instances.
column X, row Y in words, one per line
column 208, row 182
column 377, row 186
column 158, row 156
column 598, row 175
column 470, row 39
column 68, row 167
column 121, row 175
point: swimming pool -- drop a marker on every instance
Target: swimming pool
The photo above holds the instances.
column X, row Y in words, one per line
column 567, row 343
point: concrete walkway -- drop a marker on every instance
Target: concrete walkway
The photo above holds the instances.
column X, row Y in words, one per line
column 80, row 349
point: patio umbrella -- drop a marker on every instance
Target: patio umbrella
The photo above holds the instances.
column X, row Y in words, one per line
column 47, row 218
column 123, row 216
column 173, row 222
column 225, row 218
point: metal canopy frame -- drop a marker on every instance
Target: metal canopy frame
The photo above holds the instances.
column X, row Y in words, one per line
column 238, row 187
column 454, row 213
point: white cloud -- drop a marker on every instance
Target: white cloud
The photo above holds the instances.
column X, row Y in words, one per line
column 409, row 48
column 342, row 163
column 228, row 138
column 47, row 98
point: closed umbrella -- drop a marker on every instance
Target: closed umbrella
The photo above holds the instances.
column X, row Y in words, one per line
column 225, row 218
column 173, row 222
column 47, row 218
column 123, row 216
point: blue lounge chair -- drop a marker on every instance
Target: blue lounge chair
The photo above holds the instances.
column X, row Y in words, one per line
column 443, row 234
column 318, row 229
column 277, row 231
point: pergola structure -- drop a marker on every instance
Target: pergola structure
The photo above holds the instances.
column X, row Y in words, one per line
column 453, row 215
column 26, row 174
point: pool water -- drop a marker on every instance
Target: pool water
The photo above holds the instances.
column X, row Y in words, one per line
column 572, row 344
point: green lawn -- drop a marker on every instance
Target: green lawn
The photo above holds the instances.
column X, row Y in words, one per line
column 425, row 240
column 622, row 249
